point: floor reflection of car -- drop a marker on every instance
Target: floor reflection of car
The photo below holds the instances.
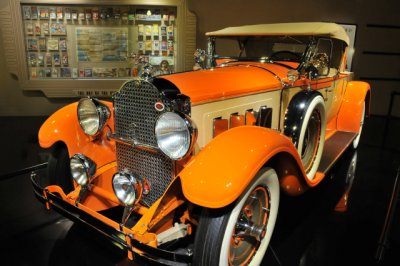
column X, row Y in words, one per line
column 310, row 230
column 343, row 203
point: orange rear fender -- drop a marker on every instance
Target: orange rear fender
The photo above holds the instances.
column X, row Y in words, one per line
column 63, row 126
column 220, row 172
column 349, row 117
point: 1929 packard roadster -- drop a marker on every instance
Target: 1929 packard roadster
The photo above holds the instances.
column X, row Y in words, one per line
column 187, row 168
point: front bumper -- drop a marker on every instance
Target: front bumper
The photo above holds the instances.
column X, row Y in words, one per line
column 119, row 237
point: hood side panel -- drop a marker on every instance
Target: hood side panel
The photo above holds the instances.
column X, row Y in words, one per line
column 224, row 82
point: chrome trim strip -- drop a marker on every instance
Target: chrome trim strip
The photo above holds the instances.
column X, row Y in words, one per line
column 238, row 63
column 133, row 143
column 271, row 72
column 235, row 96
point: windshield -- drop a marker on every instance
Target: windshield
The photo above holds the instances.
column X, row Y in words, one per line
column 276, row 48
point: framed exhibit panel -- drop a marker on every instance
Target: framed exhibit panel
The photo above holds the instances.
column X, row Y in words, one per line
column 81, row 48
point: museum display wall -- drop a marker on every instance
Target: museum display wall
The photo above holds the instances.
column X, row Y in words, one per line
column 375, row 58
column 90, row 48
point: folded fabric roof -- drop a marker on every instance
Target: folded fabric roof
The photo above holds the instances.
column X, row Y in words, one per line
column 323, row 29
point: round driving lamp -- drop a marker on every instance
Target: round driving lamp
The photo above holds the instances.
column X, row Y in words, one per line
column 126, row 188
column 92, row 115
column 82, row 169
column 175, row 134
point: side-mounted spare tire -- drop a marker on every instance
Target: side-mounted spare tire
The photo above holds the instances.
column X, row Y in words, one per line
column 305, row 124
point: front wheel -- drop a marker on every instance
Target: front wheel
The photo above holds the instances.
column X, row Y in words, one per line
column 240, row 233
column 58, row 169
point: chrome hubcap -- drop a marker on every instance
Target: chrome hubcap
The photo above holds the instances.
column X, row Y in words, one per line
column 250, row 227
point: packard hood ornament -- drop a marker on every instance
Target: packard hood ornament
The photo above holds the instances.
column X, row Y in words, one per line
column 146, row 72
column 199, row 59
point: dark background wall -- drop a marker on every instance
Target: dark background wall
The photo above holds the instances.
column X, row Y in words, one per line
column 377, row 46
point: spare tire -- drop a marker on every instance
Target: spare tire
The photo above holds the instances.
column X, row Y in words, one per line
column 305, row 124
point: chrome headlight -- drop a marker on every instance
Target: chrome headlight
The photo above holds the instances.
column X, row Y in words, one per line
column 82, row 169
column 175, row 134
column 126, row 188
column 92, row 115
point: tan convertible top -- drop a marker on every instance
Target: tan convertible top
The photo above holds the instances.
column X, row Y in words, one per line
column 282, row 29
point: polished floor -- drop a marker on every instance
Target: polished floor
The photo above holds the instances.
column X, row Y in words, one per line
column 340, row 222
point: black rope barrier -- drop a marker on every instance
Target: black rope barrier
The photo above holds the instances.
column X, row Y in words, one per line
column 22, row 171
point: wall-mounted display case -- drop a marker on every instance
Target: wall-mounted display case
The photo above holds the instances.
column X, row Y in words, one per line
column 77, row 48
column 72, row 42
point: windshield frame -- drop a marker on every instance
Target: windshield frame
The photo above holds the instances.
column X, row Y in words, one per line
column 213, row 57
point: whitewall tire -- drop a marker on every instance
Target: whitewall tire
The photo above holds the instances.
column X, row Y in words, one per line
column 240, row 233
column 312, row 136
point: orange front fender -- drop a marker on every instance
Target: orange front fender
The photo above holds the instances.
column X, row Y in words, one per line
column 349, row 117
column 223, row 168
column 63, row 126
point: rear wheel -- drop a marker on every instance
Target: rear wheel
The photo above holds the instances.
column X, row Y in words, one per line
column 58, row 169
column 240, row 233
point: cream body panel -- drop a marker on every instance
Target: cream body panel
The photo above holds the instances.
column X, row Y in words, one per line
column 204, row 114
column 337, row 96
column 287, row 96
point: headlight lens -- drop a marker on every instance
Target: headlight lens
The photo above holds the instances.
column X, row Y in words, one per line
column 125, row 188
column 92, row 115
column 82, row 169
column 175, row 134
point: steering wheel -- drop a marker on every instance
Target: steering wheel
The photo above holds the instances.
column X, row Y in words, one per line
column 285, row 56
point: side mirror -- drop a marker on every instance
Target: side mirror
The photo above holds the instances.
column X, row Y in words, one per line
column 147, row 72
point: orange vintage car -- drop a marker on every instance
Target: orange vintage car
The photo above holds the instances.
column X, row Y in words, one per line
column 187, row 168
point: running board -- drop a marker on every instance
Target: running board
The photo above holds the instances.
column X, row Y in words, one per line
column 334, row 148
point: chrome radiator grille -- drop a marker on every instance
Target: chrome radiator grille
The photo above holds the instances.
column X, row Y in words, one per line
column 155, row 167
column 135, row 117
